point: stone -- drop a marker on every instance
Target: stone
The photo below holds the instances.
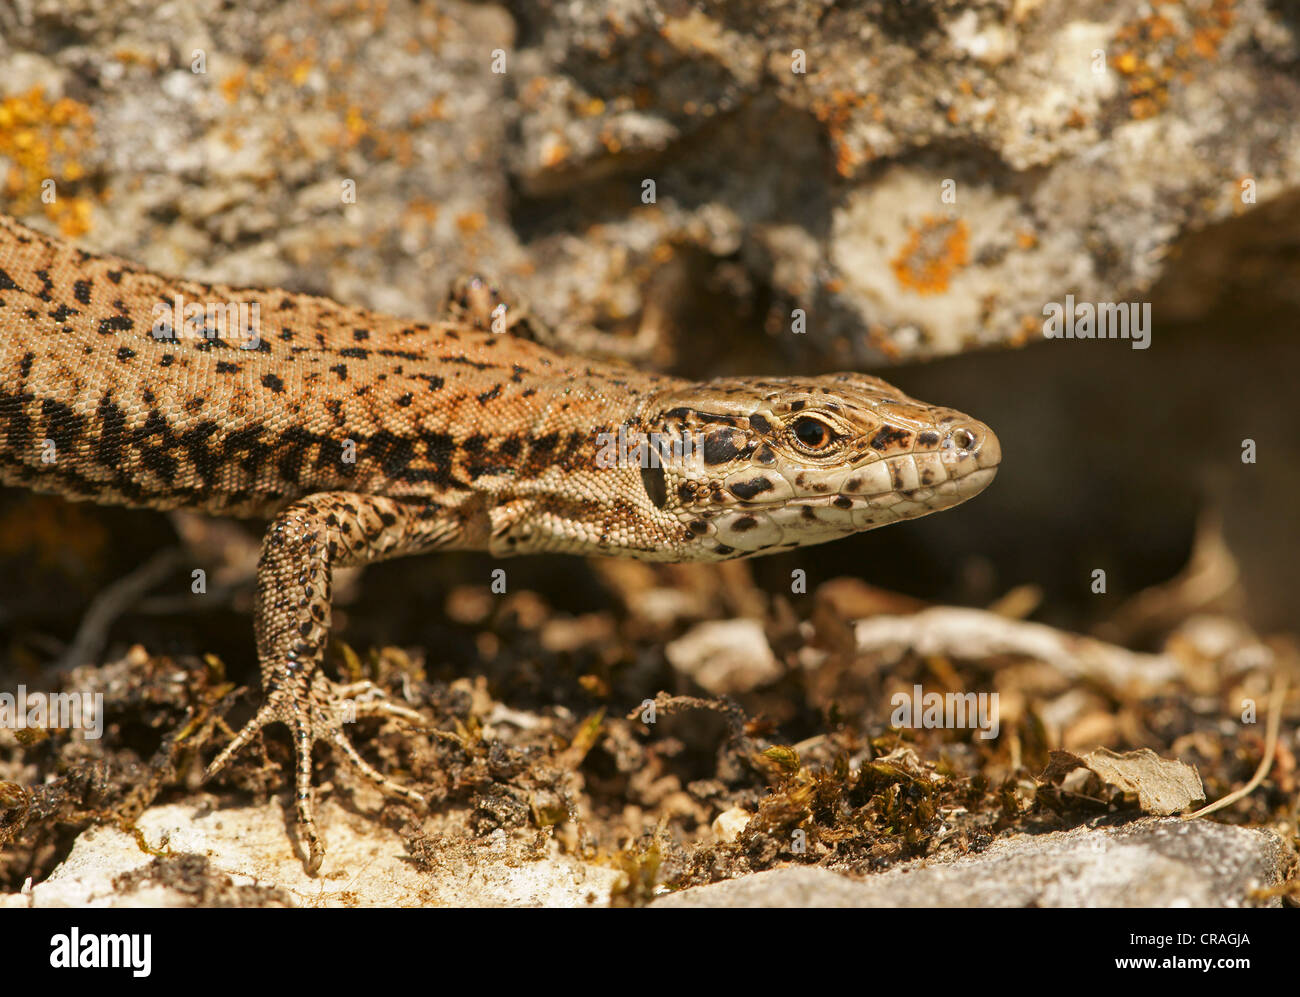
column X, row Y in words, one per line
column 725, row 657
column 1150, row 863
column 243, row 856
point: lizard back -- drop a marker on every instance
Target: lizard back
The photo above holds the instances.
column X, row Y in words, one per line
column 109, row 393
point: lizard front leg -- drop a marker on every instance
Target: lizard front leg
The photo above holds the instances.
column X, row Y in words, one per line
column 303, row 545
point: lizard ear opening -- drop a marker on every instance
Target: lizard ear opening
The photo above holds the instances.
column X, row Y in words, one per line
column 656, row 486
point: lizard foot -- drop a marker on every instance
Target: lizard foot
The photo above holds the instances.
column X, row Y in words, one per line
column 319, row 714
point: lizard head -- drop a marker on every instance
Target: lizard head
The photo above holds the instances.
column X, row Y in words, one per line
column 752, row 466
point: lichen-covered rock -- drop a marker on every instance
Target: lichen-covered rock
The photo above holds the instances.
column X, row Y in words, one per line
column 918, row 177
column 899, row 180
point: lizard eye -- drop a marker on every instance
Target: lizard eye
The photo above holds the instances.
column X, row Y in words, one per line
column 812, row 434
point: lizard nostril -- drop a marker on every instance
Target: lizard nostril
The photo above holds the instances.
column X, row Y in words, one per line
column 964, row 439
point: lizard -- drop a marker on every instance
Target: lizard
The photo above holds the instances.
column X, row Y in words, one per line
column 361, row 436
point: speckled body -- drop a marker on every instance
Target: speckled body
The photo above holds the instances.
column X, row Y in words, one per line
column 363, row 436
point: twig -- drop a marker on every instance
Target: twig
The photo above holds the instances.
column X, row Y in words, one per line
column 974, row 634
column 112, row 602
column 1270, row 749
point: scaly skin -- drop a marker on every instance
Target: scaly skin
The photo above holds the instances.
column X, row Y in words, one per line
column 364, row 436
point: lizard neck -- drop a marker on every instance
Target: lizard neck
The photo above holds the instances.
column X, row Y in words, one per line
column 592, row 476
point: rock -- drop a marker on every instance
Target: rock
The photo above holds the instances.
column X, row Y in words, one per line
column 1153, row 863
column 1065, row 172
column 242, row 855
column 728, row 824
column 899, row 101
column 725, row 656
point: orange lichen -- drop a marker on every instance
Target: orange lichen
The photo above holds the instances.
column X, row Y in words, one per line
column 470, row 222
column 290, row 60
column 881, row 340
column 354, row 125
column 420, row 210
column 532, row 93
column 1028, row 330
column 935, row 250
column 1143, row 108
column 555, row 152
column 835, row 112
column 39, row 144
column 232, row 85
column 134, row 57
column 1154, row 50
column 282, row 78
column 435, row 110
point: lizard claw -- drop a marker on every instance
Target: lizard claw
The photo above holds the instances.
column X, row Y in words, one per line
column 319, row 714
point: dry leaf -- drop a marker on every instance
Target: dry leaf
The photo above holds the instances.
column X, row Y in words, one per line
column 1163, row 786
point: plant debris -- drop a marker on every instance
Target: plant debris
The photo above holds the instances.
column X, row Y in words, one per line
column 1162, row 786
column 574, row 729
